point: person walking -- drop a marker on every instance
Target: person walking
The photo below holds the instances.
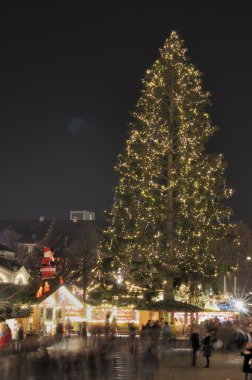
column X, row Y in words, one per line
column 20, row 337
column 155, row 335
column 132, row 338
column 83, row 332
column 68, row 328
column 166, row 331
column 107, row 325
column 207, row 348
column 195, row 342
column 59, row 331
column 8, row 335
column 113, row 327
column 247, row 363
column 247, row 353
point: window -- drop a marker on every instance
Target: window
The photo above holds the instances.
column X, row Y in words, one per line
column 49, row 313
column 59, row 314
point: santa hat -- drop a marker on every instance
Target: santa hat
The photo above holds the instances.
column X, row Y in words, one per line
column 48, row 252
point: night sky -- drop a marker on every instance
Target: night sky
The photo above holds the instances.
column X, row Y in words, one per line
column 70, row 75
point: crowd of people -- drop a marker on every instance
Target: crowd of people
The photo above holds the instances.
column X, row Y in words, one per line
column 238, row 334
column 99, row 341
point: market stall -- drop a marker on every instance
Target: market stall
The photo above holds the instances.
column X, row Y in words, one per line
column 96, row 315
column 61, row 305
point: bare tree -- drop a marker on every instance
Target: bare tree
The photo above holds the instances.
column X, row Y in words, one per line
column 10, row 238
column 30, row 259
column 236, row 253
column 81, row 258
column 244, row 259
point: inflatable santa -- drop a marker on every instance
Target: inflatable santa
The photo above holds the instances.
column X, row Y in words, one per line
column 48, row 265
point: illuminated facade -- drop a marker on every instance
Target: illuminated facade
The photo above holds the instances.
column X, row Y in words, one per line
column 10, row 270
column 59, row 306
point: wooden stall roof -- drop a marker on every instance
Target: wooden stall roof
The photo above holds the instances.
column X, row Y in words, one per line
column 169, row 305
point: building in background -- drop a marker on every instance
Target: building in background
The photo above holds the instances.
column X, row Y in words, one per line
column 10, row 271
column 82, row 215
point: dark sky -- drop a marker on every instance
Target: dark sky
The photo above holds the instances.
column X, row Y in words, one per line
column 71, row 73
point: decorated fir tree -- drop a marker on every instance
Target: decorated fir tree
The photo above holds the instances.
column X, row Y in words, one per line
column 169, row 207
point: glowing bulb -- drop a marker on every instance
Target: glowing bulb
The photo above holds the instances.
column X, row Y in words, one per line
column 239, row 305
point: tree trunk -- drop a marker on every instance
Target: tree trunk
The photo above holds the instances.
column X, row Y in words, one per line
column 169, row 205
column 170, row 232
column 170, row 226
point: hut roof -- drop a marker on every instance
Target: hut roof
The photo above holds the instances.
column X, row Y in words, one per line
column 169, row 305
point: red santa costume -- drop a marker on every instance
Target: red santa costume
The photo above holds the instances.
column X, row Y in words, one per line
column 48, row 268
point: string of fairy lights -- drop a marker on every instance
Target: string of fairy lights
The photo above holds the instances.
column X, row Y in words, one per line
column 169, row 208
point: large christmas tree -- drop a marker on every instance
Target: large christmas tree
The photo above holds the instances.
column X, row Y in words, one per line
column 169, row 208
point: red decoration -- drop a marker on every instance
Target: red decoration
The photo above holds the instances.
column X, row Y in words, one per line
column 48, row 265
column 61, row 282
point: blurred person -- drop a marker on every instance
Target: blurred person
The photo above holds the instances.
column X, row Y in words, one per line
column 144, row 337
column 107, row 324
column 207, row 348
column 247, row 362
column 83, row 332
column 8, row 337
column 195, row 342
column 166, row 330
column 247, row 353
column 20, row 337
column 2, row 336
column 132, row 338
column 179, row 327
column 155, row 335
column 113, row 326
column 149, row 324
column 59, row 331
column 68, row 328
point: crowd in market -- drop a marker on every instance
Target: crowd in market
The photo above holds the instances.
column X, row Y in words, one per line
column 97, row 344
column 225, row 335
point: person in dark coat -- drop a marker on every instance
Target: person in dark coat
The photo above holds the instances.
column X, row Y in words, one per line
column 247, row 363
column 195, row 342
column 20, row 337
column 59, row 331
column 83, row 332
column 207, row 348
column 132, row 338
column 155, row 334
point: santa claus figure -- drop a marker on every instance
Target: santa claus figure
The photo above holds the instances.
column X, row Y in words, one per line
column 48, row 266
